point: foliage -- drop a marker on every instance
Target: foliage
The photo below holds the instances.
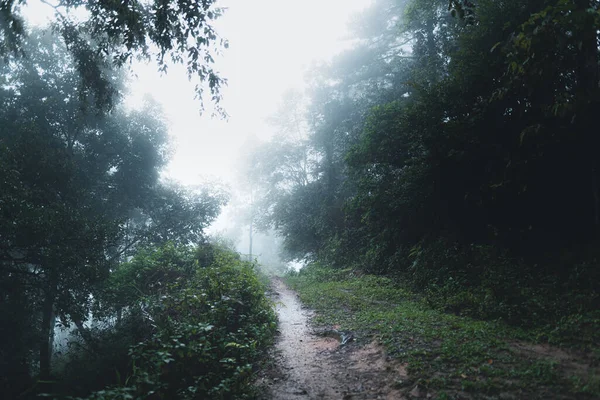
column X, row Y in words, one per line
column 455, row 150
column 481, row 282
column 191, row 327
column 450, row 355
column 80, row 191
column 103, row 32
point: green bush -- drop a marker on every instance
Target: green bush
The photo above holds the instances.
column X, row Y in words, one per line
column 484, row 282
column 207, row 324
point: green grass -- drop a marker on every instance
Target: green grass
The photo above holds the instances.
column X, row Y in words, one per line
column 446, row 353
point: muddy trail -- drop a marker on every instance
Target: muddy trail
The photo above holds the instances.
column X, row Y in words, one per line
column 311, row 364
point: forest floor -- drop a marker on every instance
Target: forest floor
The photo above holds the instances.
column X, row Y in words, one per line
column 397, row 348
column 311, row 363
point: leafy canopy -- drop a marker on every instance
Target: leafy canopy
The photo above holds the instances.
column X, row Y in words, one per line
column 100, row 33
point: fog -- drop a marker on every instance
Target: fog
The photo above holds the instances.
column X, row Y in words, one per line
column 405, row 157
column 273, row 45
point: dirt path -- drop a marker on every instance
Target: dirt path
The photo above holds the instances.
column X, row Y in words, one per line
column 310, row 366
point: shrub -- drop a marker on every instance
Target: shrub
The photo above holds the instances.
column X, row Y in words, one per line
column 204, row 331
column 484, row 282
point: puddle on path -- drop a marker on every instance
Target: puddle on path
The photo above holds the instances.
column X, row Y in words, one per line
column 308, row 366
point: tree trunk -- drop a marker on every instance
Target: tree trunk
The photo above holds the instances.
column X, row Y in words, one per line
column 251, row 223
column 250, row 238
column 588, row 98
column 86, row 335
column 46, row 335
column 596, row 195
column 433, row 58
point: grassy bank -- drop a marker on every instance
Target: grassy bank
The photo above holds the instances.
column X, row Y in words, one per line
column 453, row 356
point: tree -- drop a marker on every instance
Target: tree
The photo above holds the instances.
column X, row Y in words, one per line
column 117, row 33
column 273, row 171
column 460, row 127
column 72, row 179
column 171, row 214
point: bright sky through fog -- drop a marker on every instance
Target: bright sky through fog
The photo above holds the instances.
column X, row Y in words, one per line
column 272, row 44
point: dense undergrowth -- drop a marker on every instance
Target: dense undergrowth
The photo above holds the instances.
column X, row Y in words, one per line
column 561, row 304
column 451, row 355
column 186, row 324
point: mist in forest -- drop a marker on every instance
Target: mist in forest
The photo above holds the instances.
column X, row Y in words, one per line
column 160, row 161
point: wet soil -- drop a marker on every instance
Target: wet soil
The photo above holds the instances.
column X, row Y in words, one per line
column 313, row 365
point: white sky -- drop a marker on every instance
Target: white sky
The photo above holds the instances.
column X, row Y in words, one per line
column 272, row 43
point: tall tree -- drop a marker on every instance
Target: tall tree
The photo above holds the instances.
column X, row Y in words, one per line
column 72, row 179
